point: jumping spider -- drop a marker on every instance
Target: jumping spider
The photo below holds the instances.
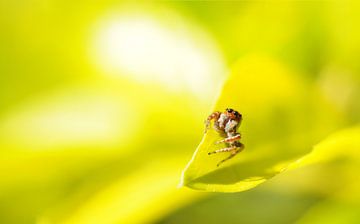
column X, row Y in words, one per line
column 226, row 124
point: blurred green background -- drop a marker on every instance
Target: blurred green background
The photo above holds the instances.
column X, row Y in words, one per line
column 102, row 105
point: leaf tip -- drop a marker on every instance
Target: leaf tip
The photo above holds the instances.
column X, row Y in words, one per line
column 181, row 183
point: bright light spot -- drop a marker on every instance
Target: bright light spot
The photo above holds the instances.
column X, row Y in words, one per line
column 70, row 119
column 146, row 50
column 338, row 86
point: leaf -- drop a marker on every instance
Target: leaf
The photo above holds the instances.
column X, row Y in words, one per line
column 56, row 159
column 344, row 143
column 138, row 197
column 283, row 116
column 346, row 201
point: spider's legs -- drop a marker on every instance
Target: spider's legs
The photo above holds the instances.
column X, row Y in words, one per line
column 229, row 149
column 234, row 149
column 229, row 139
column 214, row 116
column 233, row 153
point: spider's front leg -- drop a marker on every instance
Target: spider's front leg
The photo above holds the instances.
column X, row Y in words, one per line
column 233, row 153
column 214, row 116
column 234, row 149
column 229, row 139
column 229, row 149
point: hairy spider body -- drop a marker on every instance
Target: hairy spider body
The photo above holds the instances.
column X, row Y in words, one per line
column 226, row 123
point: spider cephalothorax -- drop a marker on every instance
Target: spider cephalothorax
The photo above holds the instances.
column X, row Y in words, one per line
column 227, row 123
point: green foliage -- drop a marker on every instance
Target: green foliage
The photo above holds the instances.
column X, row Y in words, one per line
column 343, row 144
column 344, row 204
column 81, row 142
column 283, row 117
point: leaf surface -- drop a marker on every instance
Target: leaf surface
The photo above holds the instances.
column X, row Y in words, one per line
column 283, row 117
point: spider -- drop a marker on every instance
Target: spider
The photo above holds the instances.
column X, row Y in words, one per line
column 226, row 123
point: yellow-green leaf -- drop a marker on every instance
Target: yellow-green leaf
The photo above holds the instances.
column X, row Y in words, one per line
column 283, row 117
column 343, row 145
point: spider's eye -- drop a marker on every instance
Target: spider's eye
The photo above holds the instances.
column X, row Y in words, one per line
column 229, row 110
column 236, row 113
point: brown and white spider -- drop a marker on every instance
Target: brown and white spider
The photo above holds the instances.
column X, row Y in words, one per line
column 226, row 123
